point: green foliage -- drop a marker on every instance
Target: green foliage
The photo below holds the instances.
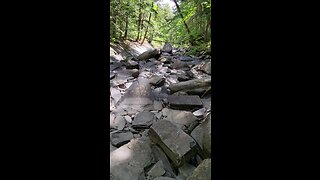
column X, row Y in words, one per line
column 164, row 25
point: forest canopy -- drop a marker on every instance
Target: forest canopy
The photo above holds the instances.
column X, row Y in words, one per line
column 188, row 24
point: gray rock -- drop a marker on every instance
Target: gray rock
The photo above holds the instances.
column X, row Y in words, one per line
column 120, row 138
column 135, row 73
column 160, row 156
column 112, row 148
column 128, row 162
column 177, row 64
column 206, row 68
column 184, row 102
column 157, row 105
column 185, row 58
column 132, row 64
column 138, row 96
column 202, row 172
column 143, row 120
column 200, row 113
column 157, row 81
column 186, row 170
column 182, row 77
column 112, row 75
column 115, row 94
column 202, row 135
column 149, row 54
column 117, row 122
column 167, row 48
column 177, row 145
column 157, row 170
column 128, row 119
column 179, row 117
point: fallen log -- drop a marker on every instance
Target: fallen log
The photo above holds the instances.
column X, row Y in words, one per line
column 192, row 84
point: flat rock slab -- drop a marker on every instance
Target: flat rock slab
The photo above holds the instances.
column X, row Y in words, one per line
column 128, row 161
column 177, row 145
column 202, row 172
column 179, row 117
column 143, row 120
column 120, row 138
column 137, row 96
column 184, row 102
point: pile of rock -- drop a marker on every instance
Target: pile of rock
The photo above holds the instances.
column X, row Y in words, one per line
column 160, row 117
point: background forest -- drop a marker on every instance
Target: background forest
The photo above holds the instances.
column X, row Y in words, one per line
column 187, row 24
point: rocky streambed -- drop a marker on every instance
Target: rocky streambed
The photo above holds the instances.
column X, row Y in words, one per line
column 160, row 115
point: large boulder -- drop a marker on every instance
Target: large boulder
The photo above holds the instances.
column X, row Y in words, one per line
column 177, row 145
column 155, row 53
column 167, row 48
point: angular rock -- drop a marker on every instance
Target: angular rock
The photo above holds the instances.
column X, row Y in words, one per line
column 182, row 77
column 177, row 145
column 157, row 170
column 167, row 48
column 165, row 59
column 149, row 54
column 200, row 113
column 160, row 156
column 128, row 119
column 202, row 172
column 115, row 94
column 112, row 75
column 117, row 122
column 177, row 64
column 184, row 102
column 138, row 96
column 179, row 117
column 128, row 162
column 186, row 170
column 157, row 81
column 202, row 135
column 143, row 120
column 132, row 64
column 206, row 68
column 120, row 138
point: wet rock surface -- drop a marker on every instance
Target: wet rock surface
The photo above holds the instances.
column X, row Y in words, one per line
column 160, row 115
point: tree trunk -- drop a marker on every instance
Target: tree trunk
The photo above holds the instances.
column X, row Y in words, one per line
column 185, row 24
column 126, row 31
column 139, row 23
column 145, row 34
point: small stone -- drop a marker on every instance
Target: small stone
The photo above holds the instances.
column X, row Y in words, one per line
column 135, row 73
column 167, row 48
column 200, row 113
column 184, row 102
column 157, row 81
column 120, row 138
column 132, row 65
column 128, row 119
